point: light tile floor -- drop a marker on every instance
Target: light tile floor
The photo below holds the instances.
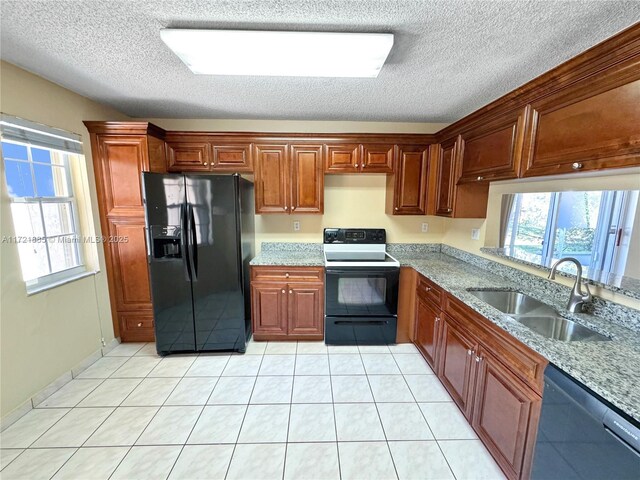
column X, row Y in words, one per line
column 284, row 410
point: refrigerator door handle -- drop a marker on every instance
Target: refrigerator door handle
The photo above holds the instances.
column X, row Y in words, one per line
column 193, row 244
column 184, row 242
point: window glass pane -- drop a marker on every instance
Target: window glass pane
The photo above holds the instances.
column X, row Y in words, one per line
column 33, row 260
column 63, row 252
column 576, row 225
column 11, row 150
column 51, row 181
column 527, row 230
column 58, row 218
column 27, row 221
column 57, row 158
column 19, row 180
column 40, row 155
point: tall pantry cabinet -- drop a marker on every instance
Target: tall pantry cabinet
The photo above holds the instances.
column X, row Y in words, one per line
column 121, row 152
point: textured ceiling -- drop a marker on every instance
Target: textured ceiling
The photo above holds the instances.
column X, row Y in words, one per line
column 449, row 57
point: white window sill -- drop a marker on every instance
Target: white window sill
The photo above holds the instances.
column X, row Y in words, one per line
column 41, row 288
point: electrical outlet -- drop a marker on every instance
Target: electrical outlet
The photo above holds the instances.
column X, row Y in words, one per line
column 296, row 226
column 475, row 234
column 424, row 228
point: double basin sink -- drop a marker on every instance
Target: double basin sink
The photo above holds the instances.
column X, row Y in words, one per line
column 537, row 316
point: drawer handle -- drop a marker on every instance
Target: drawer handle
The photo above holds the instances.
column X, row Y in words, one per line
column 286, row 275
column 576, row 165
column 469, row 352
column 480, row 178
column 139, row 324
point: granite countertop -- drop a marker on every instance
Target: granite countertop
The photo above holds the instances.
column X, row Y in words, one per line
column 611, row 369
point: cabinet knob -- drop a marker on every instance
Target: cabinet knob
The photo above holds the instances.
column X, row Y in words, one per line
column 357, row 165
column 285, row 208
column 427, row 289
column 396, row 209
column 576, row 165
column 283, row 291
column 437, row 319
column 478, row 359
column 449, row 210
column 206, row 163
column 290, row 292
column 140, row 324
column 469, row 352
column 480, row 178
column 293, row 208
column 286, row 275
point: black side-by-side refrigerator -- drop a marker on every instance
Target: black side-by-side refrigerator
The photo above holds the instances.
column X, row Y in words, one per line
column 200, row 240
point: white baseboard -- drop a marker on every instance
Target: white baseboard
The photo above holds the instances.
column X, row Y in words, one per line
column 17, row 413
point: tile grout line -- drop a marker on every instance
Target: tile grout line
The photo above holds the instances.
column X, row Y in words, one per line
column 335, row 421
column 286, row 444
column 393, row 462
column 235, row 445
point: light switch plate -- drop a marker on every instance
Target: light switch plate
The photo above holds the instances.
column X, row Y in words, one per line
column 424, row 228
column 475, row 234
column 296, row 226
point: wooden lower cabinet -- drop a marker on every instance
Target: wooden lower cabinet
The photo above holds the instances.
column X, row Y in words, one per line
column 427, row 334
column 455, row 369
column 287, row 310
column 505, row 414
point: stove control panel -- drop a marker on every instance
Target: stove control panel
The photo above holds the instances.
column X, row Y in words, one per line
column 355, row 235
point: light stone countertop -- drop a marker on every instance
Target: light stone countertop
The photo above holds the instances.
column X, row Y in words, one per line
column 611, row 369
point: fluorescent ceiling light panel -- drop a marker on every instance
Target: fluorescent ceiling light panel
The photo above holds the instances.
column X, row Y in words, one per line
column 286, row 54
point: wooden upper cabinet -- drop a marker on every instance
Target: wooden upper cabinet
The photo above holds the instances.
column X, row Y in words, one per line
column 410, row 182
column 307, row 179
column 492, row 151
column 505, row 415
column 343, row 158
column 377, row 158
column 232, row 157
column 446, row 160
column 271, row 179
column 188, row 156
column 594, row 127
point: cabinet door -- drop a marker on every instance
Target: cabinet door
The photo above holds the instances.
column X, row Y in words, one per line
column 410, row 191
column 272, row 179
column 427, row 332
column 269, row 308
column 493, row 152
column 307, row 179
column 505, row 415
column 456, row 368
column 377, row 158
column 188, row 156
column 306, row 315
column 232, row 158
column 446, row 179
column 591, row 127
column 342, row 158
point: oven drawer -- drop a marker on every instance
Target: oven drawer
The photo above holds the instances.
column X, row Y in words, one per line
column 360, row 330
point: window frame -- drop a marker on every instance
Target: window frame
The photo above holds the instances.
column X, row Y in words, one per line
column 51, row 279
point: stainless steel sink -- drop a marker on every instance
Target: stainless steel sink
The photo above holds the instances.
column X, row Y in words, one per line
column 559, row 328
column 515, row 303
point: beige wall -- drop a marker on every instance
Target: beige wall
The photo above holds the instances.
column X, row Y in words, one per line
column 47, row 334
column 457, row 232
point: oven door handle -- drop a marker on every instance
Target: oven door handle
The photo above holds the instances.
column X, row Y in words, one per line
column 358, row 270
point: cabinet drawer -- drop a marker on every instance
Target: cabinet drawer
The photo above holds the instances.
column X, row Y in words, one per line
column 136, row 326
column 520, row 359
column 430, row 292
column 312, row 274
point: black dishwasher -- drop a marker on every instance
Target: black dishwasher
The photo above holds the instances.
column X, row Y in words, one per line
column 581, row 436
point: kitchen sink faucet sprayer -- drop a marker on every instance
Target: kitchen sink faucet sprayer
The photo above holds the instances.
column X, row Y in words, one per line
column 577, row 299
